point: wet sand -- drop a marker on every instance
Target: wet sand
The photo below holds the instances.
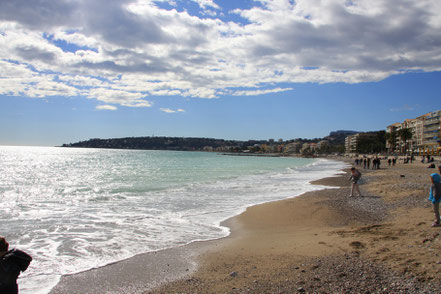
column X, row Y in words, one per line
column 137, row 274
column 328, row 242
column 322, row 241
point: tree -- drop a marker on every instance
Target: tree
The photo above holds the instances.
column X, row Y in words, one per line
column 392, row 139
column 405, row 135
column 371, row 142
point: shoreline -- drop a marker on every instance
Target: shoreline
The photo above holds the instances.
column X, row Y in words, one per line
column 291, row 245
column 151, row 269
column 327, row 242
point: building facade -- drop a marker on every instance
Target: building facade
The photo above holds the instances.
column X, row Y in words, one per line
column 294, row 147
column 431, row 133
column 393, row 145
column 351, row 143
column 426, row 134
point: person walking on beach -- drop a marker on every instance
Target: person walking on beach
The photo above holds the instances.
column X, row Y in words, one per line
column 435, row 196
column 355, row 176
column 374, row 163
column 12, row 262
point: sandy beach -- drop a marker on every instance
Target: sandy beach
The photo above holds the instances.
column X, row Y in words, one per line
column 327, row 242
column 319, row 242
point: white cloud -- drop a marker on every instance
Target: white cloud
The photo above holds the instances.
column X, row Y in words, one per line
column 259, row 92
column 106, row 107
column 20, row 80
column 77, row 39
column 133, row 49
column 168, row 110
column 119, row 97
column 207, row 3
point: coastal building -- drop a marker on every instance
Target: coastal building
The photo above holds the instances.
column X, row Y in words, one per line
column 264, row 148
column 426, row 135
column 419, row 133
column 411, row 145
column 308, row 147
column 294, row 147
column 351, row 143
column 431, row 133
column 272, row 149
column 365, row 142
column 393, row 144
column 322, row 144
column 415, row 127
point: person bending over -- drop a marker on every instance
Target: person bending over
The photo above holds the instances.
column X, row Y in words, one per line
column 12, row 262
column 355, row 176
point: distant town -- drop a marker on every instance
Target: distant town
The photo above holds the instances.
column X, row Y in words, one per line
column 334, row 143
column 416, row 136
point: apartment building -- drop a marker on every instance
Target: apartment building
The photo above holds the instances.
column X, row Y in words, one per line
column 308, row 147
column 419, row 129
column 293, row 147
column 415, row 127
column 351, row 143
column 425, row 131
column 322, row 144
column 431, row 132
column 391, row 146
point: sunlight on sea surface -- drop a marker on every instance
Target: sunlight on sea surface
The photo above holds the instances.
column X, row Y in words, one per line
column 76, row 209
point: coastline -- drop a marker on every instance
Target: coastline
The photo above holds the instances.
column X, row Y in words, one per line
column 320, row 241
column 143, row 271
column 327, row 242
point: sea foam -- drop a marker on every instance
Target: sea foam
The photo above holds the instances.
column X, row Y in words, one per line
column 77, row 209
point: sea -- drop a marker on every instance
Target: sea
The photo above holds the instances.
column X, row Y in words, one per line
column 77, row 209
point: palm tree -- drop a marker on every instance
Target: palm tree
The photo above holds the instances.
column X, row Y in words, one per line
column 392, row 139
column 405, row 135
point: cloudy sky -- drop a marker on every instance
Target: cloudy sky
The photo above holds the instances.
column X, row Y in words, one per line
column 72, row 70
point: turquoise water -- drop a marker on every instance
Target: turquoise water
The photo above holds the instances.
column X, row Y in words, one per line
column 76, row 209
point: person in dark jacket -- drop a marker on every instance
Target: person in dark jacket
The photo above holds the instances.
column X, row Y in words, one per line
column 12, row 262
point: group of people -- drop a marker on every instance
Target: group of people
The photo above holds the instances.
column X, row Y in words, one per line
column 366, row 162
column 12, row 263
column 429, row 159
column 391, row 161
column 434, row 195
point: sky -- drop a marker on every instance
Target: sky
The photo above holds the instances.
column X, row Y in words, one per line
column 71, row 70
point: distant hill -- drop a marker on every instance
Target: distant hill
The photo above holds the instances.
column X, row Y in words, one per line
column 162, row 143
column 342, row 132
column 338, row 137
column 335, row 139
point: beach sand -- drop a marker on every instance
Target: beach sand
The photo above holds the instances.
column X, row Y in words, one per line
column 327, row 242
column 319, row 242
